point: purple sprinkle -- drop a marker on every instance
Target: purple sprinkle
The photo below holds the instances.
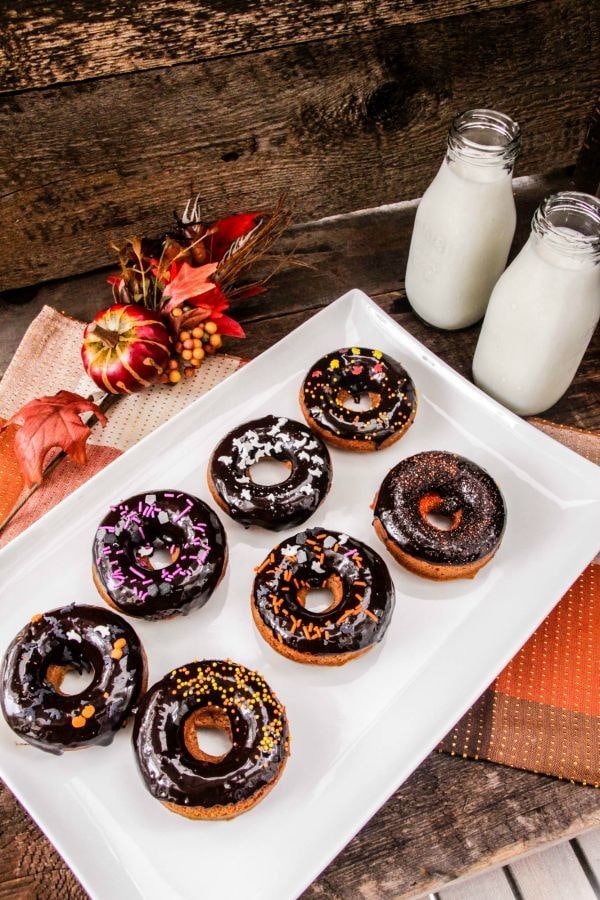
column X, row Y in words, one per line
column 183, row 513
column 350, row 552
column 137, row 572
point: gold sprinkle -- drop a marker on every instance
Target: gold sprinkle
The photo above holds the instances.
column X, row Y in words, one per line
column 36, row 618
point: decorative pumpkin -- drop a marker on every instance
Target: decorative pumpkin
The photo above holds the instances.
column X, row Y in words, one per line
column 126, row 348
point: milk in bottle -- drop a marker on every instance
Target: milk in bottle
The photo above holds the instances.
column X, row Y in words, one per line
column 465, row 222
column 544, row 308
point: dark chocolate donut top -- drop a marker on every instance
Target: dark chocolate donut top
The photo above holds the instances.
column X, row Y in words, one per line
column 258, row 726
column 80, row 638
column 348, row 373
column 449, row 485
column 274, row 506
column 318, row 558
column 173, row 521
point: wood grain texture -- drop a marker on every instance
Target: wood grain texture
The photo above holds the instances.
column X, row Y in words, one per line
column 45, row 43
column 552, row 873
column 347, row 123
column 491, row 885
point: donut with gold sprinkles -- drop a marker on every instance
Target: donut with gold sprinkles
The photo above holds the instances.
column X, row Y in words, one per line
column 219, row 695
column 447, row 485
column 73, row 638
column 358, row 399
column 362, row 598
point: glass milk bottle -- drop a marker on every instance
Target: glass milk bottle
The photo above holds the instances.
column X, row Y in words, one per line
column 544, row 309
column 465, row 222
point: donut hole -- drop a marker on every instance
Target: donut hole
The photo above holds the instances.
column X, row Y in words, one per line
column 159, row 551
column 323, row 599
column 361, row 402
column 431, row 507
column 269, row 471
column 68, row 681
column 207, row 734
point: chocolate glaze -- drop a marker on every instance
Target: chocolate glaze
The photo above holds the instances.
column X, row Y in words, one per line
column 353, row 371
column 170, row 520
column 307, row 561
column 274, row 506
column 259, row 733
column 449, row 485
column 81, row 638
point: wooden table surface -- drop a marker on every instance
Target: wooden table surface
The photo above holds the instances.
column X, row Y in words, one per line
column 452, row 817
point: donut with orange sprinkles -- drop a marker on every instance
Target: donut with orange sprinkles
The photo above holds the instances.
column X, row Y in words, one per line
column 358, row 399
column 362, row 598
column 223, row 696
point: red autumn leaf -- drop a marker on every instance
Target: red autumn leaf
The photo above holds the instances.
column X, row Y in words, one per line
column 48, row 423
column 226, row 231
column 244, row 293
column 229, row 327
column 190, row 281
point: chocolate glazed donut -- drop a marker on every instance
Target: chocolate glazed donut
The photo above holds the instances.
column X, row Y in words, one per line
column 449, row 485
column 363, row 598
column 347, row 374
column 179, row 523
column 221, row 695
column 274, row 506
column 83, row 639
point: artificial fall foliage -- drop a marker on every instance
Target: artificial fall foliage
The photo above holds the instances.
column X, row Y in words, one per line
column 51, row 423
column 188, row 277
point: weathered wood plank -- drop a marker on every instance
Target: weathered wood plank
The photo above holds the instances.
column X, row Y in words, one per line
column 345, row 123
column 46, row 43
column 587, row 848
column 552, row 873
column 491, row 885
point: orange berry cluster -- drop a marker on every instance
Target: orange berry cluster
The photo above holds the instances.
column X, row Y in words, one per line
column 191, row 348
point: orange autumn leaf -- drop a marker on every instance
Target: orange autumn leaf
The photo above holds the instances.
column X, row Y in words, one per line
column 48, row 423
column 189, row 282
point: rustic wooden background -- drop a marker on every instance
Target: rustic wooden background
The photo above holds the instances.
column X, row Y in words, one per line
column 110, row 111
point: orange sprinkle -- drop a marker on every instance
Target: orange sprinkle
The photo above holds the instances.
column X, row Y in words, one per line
column 88, row 711
column 120, row 643
column 368, row 612
column 266, row 563
column 78, row 722
column 116, row 654
column 36, row 618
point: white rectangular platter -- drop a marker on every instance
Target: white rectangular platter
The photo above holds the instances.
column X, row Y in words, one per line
column 357, row 731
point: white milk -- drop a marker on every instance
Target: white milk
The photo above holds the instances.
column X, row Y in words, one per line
column 463, row 231
column 540, row 318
